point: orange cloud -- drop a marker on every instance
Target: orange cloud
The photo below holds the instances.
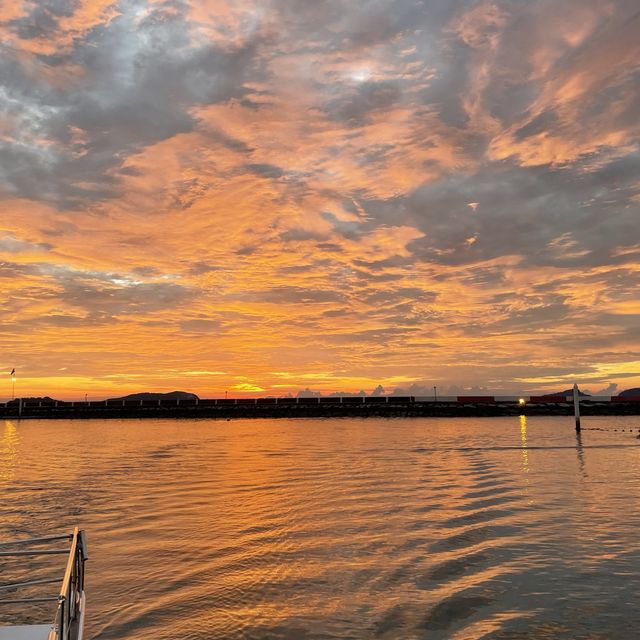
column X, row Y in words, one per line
column 244, row 198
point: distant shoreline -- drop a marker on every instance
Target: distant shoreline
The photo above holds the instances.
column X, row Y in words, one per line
column 311, row 408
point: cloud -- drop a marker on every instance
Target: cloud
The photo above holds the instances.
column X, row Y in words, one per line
column 11, row 244
column 393, row 193
column 200, row 325
column 133, row 82
column 367, row 98
column 102, row 298
column 296, row 295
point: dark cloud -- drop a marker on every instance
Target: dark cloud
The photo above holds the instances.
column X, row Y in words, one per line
column 265, row 170
column 543, row 214
column 390, row 295
column 367, row 98
column 11, row 244
column 13, row 270
column 200, row 268
column 301, row 235
column 369, row 23
column 371, row 337
column 538, row 125
column 107, row 297
column 329, row 246
column 551, row 312
column 200, row 325
column 246, row 250
column 296, row 295
column 485, row 277
column 43, row 19
column 140, row 79
column 336, row 313
column 347, row 228
column 86, row 298
column 145, row 271
column 69, row 321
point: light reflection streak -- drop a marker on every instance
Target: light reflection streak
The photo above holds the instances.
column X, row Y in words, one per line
column 523, row 441
column 8, row 451
column 580, row 451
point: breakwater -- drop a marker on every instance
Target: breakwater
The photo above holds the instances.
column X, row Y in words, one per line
column 361, row 406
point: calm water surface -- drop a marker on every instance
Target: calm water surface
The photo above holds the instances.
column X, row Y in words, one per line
column 506, row 528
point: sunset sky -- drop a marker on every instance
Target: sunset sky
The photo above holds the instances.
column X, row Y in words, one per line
column 262, row 196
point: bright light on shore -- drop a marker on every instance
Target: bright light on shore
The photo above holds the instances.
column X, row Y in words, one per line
column 522, row 401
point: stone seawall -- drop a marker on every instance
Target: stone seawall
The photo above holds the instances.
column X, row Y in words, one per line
column 313, row 410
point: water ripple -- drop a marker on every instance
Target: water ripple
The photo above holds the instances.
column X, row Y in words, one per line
column 352, row 529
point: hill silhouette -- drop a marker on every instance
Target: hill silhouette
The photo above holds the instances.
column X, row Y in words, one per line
column 33, row 399
column 172, row 395
column 566, row 392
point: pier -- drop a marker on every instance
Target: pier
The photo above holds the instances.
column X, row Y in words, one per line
column 390, row 406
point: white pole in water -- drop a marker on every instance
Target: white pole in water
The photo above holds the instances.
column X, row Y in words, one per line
column 576, row 406
column 19, row 407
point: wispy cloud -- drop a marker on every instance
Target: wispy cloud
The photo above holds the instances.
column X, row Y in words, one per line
column 205, row 194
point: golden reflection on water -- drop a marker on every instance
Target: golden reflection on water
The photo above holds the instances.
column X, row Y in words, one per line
column 523, row 442
column 8, row 451
column 326, row 528
column 580, row 451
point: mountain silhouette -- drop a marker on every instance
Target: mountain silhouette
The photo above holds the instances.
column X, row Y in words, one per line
column 172, row 395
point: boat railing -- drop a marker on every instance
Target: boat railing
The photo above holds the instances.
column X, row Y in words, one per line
column 72, row 589
column 67, row 622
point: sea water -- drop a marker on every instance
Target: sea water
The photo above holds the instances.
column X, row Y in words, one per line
column 506, row 528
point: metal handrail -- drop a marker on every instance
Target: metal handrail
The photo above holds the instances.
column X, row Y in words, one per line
column 70, row 597
column 67, row 536
column 28, row 600
column 70, row 563
column 27, row 583
column 40, row 552
column 71, row 590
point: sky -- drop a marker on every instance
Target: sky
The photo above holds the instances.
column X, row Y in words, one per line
column 263, row 196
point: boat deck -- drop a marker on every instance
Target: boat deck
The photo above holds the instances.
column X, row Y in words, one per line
column 26, row 632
